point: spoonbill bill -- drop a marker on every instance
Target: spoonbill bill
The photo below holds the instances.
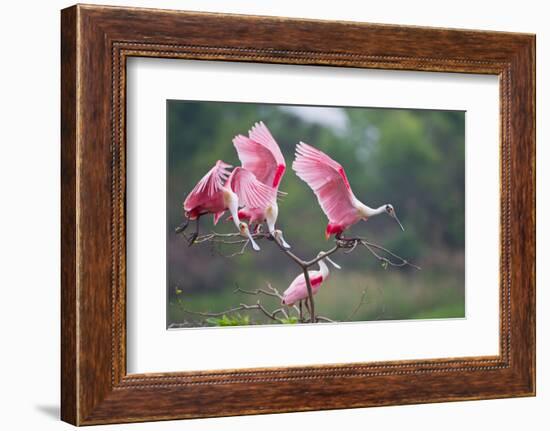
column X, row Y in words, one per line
column 260, row 154
column 220, row 190
column 328, row 180
column 297, row 291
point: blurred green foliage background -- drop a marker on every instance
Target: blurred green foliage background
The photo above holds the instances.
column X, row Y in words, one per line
column 413, row 159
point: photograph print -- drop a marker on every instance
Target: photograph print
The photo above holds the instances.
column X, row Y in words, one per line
column 288, row 214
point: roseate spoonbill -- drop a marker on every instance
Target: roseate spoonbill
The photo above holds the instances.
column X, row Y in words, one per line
column 328, row 181
column 220, row 190
column 297, row 291
column 260, row 154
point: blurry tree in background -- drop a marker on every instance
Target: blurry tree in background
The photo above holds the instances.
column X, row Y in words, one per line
column 414, row 159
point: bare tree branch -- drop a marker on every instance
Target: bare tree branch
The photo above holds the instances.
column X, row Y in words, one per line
column 225, row 238
column 258, row 306
column 351, row 243
column 325, row 319
column 311, row 307
column 322, row 255
column 361, row 303
column 273, row 292
column 345, row 243
column 258, row 291
column 270, row 291
column 241, row 251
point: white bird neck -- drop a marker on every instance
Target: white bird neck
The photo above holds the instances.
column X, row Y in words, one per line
column 323, row 268
column 367, row 211
column 232, row 204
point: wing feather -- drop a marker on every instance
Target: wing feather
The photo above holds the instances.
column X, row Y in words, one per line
column 251, row 192
column 260, row 154
column 327, row 179
column 207, row 187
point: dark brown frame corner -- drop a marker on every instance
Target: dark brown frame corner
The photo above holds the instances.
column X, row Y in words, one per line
column 95, row 43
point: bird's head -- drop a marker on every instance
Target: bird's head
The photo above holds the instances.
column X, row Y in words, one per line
column 245, row 232
column 390, row 210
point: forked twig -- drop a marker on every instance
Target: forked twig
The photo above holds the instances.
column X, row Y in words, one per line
column 347, row 244
column 361, row 303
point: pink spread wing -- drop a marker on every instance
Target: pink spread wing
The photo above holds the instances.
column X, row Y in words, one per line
column 207, row 187
column 327, row 179
column 260, row 154
column 251, row 192
column 261, row 134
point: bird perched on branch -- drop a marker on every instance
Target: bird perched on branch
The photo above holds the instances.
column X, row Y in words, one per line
column 297, row 291
column 260, row 154
column 220, row 190
column 328, row 180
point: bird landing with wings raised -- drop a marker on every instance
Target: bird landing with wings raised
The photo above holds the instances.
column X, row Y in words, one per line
column 329, row 182
column 221, row 190
column 260, row 154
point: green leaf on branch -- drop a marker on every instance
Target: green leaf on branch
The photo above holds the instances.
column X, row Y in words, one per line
column 232, row 320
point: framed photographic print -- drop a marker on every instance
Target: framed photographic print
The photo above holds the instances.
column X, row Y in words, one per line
column 343, row 210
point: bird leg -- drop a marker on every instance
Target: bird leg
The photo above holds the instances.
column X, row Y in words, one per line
column 181, row 228
column 309, row 309
column 195, row 234
column 301, row 312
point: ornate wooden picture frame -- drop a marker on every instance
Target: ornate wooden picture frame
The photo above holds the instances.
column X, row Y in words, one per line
column 96, row 41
